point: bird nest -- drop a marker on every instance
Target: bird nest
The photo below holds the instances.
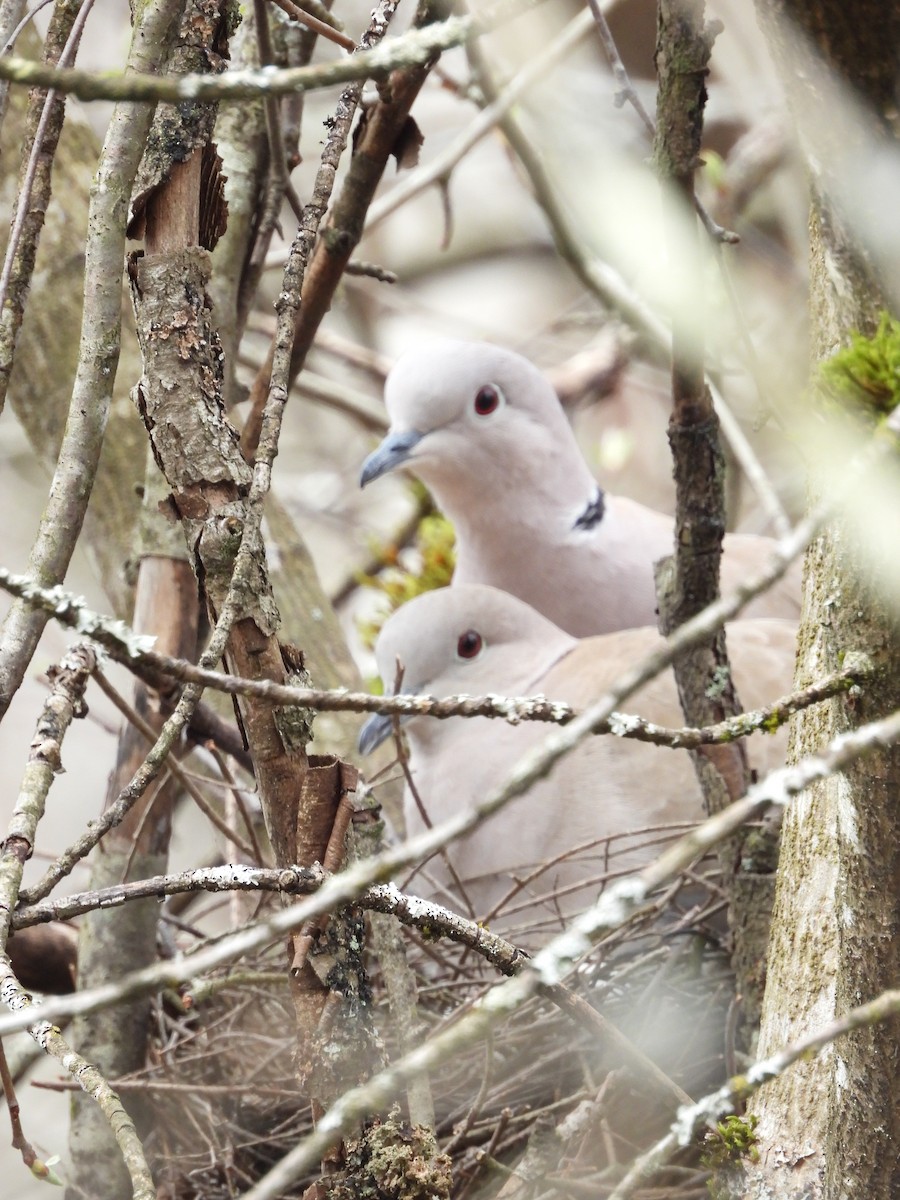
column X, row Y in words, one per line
column 577, row 1088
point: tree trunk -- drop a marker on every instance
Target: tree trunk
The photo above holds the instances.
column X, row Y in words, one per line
column 830, row 1127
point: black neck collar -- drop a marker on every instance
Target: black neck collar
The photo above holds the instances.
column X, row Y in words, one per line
column 592, row 514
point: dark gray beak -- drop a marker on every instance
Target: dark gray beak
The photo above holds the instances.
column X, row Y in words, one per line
column 377, row 729
column 393, row 451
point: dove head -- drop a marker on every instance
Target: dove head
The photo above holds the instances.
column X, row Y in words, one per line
column 469, row 639
column 473, row 419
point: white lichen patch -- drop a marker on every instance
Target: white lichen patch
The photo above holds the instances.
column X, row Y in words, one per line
column 231, row 873
column 847, row 825
column 622, row 724
column 841, row 1074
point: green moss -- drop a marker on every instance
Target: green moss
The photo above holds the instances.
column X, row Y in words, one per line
column 866, row 374
column 436, row 558
column 732, row 1140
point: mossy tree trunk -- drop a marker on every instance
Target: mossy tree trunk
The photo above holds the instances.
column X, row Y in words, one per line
column 830, row 1127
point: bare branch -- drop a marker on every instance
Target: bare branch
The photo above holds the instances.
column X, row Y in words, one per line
column 79, row 455
column 412, row 49
column 693, row 1118
column 618, row 902
column 88, row 1078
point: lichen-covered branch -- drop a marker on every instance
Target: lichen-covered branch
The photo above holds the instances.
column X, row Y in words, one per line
column 63, row 516
column 619, row 900
column 65, row 702
column 88, row 1078
column 412, row 50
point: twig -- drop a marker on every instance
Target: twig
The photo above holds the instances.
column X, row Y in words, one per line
column 321, row 27
column 412, row 49
column 616, row 905
column 89, row 1079
column 173, row 766
column 79, row 454
column 66, row 26
column 127, row 648
column 440, row 167
column 627, row 91
column 691, row 1119
column 279, row 186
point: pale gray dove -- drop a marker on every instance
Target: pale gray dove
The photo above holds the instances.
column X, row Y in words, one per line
column 474, row 640
column 484, row 430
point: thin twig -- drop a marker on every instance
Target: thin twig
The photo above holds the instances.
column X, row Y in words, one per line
column 322, row 28
column 125, row 647
column 79, row 453
column 696, row 1117
column 440, row 167
column 412, row 49
column 89, row 1079
column 173, row 766
column 616, row 906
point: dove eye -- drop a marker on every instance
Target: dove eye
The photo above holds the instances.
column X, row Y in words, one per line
column 469, row 644
column 487, row 399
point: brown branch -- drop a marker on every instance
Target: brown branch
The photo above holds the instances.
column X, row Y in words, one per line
column 375, row 141
column 321, row 27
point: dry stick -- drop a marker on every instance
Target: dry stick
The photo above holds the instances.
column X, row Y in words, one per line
column 279, row 184
column 19, row 1141
column 88, row 1078
column 79, row 454
column 237, row 793
column 321, row 27
column 173, row 767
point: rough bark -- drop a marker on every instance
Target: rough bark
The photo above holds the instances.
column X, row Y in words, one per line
column 830, row 1127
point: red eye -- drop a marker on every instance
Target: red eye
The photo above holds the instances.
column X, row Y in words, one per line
column 469, row 644
column 487, row 399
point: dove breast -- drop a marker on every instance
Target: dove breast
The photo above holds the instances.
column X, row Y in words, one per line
column 604, row 808
column 485, row 431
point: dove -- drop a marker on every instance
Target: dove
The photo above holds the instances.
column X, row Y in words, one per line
column 605, row 809
column 485, row 432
